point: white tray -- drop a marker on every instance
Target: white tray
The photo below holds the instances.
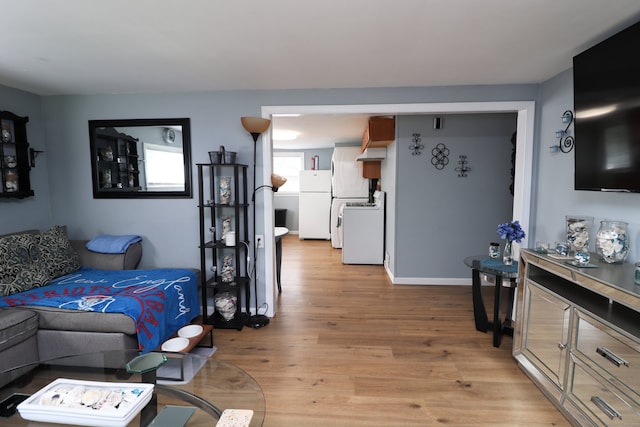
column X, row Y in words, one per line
column 137, row 396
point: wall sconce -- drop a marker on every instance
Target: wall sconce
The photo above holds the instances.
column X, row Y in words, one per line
column 565, row 141
column 416, row 147
column 463, row 168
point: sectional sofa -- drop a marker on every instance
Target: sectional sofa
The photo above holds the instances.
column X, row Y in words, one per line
column 35, row 265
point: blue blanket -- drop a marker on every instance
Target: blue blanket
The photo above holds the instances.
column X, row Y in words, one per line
column 160, row 301
column 108, row 244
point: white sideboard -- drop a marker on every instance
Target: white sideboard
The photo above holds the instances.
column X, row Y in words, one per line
column 577, row 336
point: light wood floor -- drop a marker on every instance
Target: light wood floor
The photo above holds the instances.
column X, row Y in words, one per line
column 347, row 348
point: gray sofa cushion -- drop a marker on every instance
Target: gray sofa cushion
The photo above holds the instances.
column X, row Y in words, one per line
column 18, row 342
column 52, row 344
column 127, row 261
column 16, row 326
column 83, row 321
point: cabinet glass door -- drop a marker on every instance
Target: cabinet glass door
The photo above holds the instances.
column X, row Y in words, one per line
column 546, row 336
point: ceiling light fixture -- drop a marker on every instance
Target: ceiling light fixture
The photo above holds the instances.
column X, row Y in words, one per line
column 284, row 135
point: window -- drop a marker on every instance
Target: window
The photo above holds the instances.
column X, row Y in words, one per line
column 289, row 164
column 164, row 167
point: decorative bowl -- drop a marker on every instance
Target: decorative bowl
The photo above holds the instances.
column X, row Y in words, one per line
column 175, row 344
column 190, row 331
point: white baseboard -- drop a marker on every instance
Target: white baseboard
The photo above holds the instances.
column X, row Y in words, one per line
column 425, row 281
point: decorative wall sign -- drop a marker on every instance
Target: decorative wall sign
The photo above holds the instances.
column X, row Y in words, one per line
column 463, row 168
column 440, row 157
column 416, row 147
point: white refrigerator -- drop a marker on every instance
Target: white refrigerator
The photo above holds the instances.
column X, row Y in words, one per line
column 314, row 205
column 347, row 183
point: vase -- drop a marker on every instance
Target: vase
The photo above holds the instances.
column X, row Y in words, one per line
column 507, row 253
column 612, row 242
column 578, row 228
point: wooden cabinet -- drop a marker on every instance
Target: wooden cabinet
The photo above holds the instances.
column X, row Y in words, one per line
column 15, row 162
column 223, row 207
column 372, row 169
column 577, row 336
column 380, row 132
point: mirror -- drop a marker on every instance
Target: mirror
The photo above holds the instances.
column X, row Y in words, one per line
column 140, row 158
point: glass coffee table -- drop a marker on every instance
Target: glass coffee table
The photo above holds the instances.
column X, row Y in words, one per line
column 217, row 386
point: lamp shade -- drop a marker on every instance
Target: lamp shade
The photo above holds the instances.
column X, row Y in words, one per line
column 277, row 181
column 255, row 124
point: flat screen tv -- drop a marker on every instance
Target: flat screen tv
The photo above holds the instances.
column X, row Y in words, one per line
column 607, row 114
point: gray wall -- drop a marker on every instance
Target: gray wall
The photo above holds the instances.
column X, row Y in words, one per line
column 554, row 193
column 324, row 154
column 61, row 178
column 32, row 212
column 441, row 217
column 169, row 227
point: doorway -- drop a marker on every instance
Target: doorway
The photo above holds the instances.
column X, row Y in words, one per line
column 522, row 182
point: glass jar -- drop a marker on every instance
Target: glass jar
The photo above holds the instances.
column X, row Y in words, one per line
column 494, row 250
column 612, row 241
column 226, row 305
column 228, row 271
column 224, row 187
column 578, row 228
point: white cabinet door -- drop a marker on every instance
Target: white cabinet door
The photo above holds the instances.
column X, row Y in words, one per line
column 314, row 216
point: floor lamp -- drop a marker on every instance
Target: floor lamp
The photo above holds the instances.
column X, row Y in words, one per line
column 256, row 126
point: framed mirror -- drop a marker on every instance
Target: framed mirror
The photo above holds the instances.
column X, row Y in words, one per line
column 141, row 158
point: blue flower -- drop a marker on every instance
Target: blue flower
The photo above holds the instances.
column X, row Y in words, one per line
column 511, row 231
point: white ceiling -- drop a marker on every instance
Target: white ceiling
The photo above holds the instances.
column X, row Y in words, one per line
column 321, row 130
column 160, row 46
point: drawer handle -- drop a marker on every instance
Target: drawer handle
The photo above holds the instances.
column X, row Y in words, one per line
column 611, row 357
column 606, row 408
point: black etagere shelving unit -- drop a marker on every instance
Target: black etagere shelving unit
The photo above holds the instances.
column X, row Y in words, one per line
column 223, row 208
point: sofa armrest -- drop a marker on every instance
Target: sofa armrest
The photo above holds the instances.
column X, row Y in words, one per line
column 126, row 261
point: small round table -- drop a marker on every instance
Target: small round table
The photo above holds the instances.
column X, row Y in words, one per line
column 494, row 267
